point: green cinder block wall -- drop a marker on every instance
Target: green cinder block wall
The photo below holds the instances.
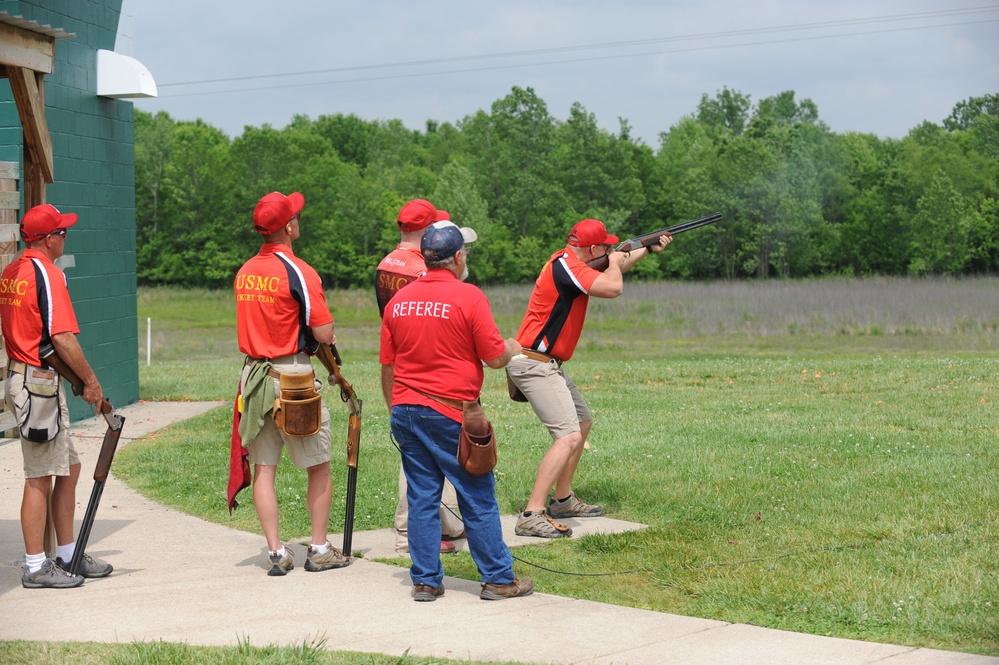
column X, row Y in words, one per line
column 94, row 165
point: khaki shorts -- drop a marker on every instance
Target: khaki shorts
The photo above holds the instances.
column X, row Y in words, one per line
column 552, row 394
column 304, row 451
column 55, row 457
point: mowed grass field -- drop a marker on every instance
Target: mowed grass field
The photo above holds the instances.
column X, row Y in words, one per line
column 815, row 456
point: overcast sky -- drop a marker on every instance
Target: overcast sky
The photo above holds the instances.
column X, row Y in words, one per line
column 877, row 66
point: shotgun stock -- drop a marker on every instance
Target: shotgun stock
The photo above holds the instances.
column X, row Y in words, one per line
column 649, row 239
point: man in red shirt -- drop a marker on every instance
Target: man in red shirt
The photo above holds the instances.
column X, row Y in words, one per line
column 401, row 266
column 36, row 316
column 548, row 334
column 436, row 334
column 281, row 317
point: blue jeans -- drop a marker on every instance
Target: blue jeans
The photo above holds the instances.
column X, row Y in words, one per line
column 429, row 443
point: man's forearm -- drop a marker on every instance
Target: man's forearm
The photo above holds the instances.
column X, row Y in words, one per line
column 633, row 257
column 511, row 347
column 388, row 378
column 68, row 348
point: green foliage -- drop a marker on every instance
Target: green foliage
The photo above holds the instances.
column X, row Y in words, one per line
column 797, row 199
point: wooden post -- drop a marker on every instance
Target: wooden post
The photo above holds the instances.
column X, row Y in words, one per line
column 9, row 204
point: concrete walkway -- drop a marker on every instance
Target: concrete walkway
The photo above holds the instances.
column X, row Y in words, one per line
column 180, row 579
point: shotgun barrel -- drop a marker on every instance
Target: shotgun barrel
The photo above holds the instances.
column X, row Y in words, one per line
column 601, row 262
column 652, row 238
column 330, row 358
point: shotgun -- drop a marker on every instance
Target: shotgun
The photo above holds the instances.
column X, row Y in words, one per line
column 330, row 358
column 111, row 436
column 601, row 263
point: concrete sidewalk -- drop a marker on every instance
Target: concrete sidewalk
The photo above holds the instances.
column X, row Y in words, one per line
column 180, row 579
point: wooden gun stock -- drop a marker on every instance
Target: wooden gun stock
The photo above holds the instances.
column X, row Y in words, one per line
column 110, row 443
column 649, row 239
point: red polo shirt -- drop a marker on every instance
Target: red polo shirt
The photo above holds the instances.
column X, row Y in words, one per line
column 399, row 268
column 279, row 298
column 557, row 308
column 436, row 332
column 34, row 305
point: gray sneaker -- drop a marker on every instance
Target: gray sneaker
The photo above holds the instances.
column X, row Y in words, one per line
column 572, row 507
column 280, row 565
column 50, row 576
column 331, row 558
column 88, row 566
column 540, row 525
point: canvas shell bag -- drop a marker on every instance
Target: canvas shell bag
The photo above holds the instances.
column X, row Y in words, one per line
column 298, row 406
column 477, row 441
column 36, row 406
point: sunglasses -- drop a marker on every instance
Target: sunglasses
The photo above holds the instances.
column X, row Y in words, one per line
column 60, row 232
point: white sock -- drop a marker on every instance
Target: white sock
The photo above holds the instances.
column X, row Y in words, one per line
column 281, row 552
column 66, row 552
column 321, row 549
column 32, row 562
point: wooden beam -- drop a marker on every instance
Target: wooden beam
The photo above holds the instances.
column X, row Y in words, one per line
column 34, row 184
column 24, row 48
column 28, row 95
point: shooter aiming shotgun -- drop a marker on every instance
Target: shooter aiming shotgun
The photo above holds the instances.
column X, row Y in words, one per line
column 601, row 263
column 115, row 423
column 330, row 358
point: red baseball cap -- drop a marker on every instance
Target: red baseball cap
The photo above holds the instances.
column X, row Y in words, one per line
column 591, row 232
column 275, row 210
column 443, row 216
column 44, row 219
column 417, row 214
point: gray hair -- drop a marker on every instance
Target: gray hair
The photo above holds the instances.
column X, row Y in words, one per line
column 445, row 264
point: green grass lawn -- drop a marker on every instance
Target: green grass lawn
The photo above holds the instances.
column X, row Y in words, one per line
column 810, row 456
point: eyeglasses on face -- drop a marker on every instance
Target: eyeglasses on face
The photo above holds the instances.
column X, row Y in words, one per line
column 60, row 232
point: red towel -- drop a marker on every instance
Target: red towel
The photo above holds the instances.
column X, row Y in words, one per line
column 239, row 465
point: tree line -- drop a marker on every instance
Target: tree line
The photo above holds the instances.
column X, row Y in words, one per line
column 797, row 199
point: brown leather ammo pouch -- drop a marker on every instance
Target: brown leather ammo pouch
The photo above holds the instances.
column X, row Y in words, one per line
column 298, row 406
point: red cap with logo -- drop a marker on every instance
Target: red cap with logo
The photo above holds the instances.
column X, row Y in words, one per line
column 591, row 232
column 275, row 210
column 417, row 214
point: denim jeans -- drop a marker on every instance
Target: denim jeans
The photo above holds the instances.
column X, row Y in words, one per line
column 429, row 444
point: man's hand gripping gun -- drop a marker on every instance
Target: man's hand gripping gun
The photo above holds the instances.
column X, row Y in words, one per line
column 330, row 359
column 649, row 239
column 115, row 423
